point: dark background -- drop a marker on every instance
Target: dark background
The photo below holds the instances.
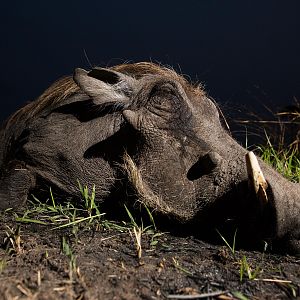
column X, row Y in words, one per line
column 245, row 52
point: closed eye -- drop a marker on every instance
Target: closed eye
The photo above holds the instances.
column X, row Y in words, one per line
column 162, row 89
column 164, row 97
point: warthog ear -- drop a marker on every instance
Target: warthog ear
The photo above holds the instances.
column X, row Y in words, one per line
column 105, row 86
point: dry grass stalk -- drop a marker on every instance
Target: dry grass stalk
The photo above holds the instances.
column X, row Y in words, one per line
column 138, row 241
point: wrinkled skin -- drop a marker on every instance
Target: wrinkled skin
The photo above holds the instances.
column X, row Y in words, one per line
column 174, row 136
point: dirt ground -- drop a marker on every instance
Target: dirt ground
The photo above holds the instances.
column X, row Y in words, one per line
column 103, row 264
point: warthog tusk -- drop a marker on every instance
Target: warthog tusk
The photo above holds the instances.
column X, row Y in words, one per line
column 256, row 177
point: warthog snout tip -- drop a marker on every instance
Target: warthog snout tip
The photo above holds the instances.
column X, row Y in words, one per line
column 205, row 165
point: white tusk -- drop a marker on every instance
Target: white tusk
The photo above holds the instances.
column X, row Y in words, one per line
column 256, row 177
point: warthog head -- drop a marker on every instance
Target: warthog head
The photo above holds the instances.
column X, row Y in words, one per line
column 144, row 128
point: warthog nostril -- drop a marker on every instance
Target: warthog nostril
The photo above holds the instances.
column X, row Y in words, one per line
column 205, row 165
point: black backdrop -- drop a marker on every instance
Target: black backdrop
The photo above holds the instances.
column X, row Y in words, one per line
column 245, row 52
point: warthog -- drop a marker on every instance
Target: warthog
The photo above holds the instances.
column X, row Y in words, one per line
column 142, row 130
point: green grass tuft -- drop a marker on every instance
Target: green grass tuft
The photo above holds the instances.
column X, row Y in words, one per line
column 285, row 160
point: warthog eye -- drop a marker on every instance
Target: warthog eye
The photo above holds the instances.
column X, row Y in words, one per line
column 164, row 97
column 162, row 90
